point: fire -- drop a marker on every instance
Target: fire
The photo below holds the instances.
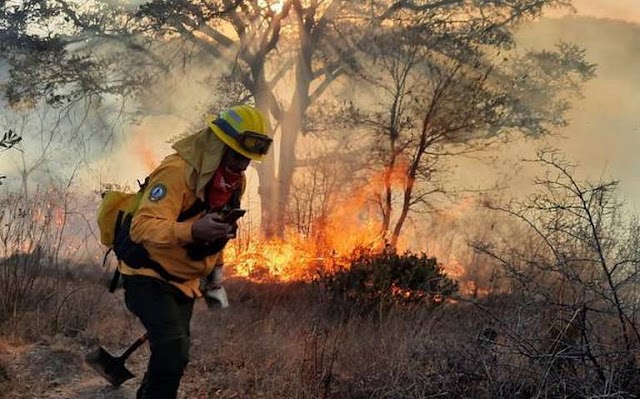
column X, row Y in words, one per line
column 352, row 227
column 454, row 269
column 470, row 288
column 296, row 257
column 285, row 260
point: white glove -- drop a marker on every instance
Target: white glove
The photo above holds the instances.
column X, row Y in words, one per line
column 218, row 275
column 215, row 294
column 217, row 298
column 213, row 280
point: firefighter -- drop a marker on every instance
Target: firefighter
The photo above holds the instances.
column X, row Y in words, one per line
column 180, row 224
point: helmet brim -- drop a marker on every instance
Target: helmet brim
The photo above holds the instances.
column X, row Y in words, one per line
column 230, row 142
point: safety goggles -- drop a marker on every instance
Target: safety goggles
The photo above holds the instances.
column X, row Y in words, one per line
column 255, row 143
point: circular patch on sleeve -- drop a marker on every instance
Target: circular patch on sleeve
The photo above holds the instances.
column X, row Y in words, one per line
column 157, row 192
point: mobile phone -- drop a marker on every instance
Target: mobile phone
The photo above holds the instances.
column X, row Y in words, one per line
column 233, row 215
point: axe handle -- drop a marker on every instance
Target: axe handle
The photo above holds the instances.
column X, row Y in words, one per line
column 141, row 340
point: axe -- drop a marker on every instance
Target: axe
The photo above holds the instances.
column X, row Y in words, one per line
column 113, row 367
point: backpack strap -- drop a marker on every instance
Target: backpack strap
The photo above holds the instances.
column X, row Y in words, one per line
column 116, row 273
column 197, row 207
column 157, row 267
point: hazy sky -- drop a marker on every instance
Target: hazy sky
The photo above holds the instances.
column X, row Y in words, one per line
column 628, row 10
column 603, row 136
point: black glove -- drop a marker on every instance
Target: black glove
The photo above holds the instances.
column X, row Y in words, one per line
column 199, row 251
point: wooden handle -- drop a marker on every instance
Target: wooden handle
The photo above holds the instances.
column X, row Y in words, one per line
column 143, row 338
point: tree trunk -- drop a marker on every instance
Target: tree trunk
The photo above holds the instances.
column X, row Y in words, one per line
column 387, row 196
column 406, row 204
column 267, row 191
column 286, row 168
column 290, row 126
column 274, row 189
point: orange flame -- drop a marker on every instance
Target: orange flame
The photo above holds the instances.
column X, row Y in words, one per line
column 352, row 227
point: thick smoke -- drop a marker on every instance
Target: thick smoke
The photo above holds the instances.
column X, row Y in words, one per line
column 602, row 137
column 603, row 133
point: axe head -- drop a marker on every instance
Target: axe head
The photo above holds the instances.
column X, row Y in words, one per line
column 110, row 367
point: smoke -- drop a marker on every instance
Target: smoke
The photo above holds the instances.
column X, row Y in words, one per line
column 602, row 138
column 175, row 106
column 622, row 10
column 603, row 133
column 95, row 143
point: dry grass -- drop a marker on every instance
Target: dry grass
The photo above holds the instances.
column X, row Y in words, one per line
column 285, row 341
column 5, row 377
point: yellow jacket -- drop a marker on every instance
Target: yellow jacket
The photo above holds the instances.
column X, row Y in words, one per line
column 180, row 179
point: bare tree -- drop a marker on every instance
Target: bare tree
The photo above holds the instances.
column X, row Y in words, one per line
column 445, row 92
column 286, row 54
column 291, row 45
column 580, row 270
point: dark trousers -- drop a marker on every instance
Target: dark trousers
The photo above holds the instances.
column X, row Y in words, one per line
column 165, row 312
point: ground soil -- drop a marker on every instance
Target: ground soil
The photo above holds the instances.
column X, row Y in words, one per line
column 56, row 369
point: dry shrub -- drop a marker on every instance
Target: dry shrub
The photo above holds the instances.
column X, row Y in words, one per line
column 27, row 248
column 22, row 284
column 573, row 275
column 252, row 347
column 379, row 282
column 5, row 379
column 75, row 306
column 295, row 350
column 488, row 349
column 279, row 340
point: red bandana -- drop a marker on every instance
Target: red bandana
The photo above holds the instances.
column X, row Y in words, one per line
column 221, row 187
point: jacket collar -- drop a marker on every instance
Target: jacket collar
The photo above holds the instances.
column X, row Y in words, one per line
column 203, row 153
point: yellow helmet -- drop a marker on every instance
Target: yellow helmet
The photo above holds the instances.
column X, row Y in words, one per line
column 244, row 129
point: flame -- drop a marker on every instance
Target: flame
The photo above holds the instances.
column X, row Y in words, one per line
column 297, row 257
column 470, row 288
column 351, row 228
column 454, row 269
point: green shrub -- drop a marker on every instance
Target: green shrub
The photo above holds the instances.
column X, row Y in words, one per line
column 381, row 281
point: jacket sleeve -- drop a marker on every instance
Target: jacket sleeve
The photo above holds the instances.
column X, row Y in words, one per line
column 155, row 222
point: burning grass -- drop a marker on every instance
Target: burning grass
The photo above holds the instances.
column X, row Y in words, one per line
column 301, row 258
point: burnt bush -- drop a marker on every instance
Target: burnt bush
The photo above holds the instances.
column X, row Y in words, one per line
column 381, row 281
column 21, row 286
